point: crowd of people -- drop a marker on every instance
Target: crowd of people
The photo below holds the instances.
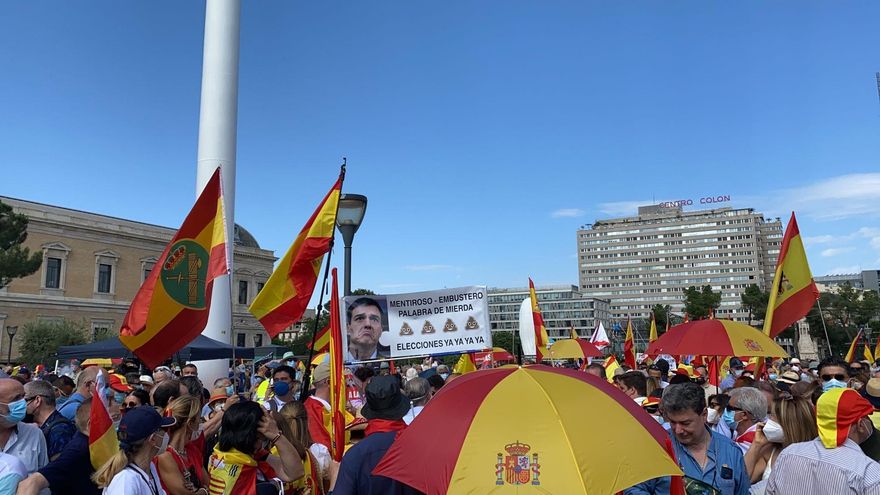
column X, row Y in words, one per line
column 796, row 429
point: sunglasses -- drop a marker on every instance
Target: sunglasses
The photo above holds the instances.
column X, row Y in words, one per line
column 733, row 408
column 129, row 405
column 652, row 409
column 840, row 377
column 856, row 368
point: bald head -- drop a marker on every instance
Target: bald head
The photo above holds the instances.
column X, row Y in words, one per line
column 10, row 391
column 85, row 379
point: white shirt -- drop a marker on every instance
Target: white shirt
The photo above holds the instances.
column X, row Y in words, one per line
column 322, row 401
column 134, row 481
column 11, row 472
column 322, row 458
column 411, row 415
column 278, row 403
column 27, row 443
column 349, row 358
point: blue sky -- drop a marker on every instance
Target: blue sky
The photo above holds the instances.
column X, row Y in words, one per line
column 484, row 133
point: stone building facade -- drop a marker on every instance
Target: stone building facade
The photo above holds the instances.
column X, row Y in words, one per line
column 93, row 265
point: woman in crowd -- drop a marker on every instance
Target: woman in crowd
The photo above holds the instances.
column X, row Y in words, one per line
column 129, row 472
column 717, row 403
column 180, row 466
column 792, row 420
column 241, row 463
column 135, row 398
column 293, row 420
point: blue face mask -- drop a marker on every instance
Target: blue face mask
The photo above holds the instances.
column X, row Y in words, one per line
column 727, row 417
column 773, row 376
column 118, row 397
column 281, row 388
column 17, row 411
column 230, row 391
column 833, row 383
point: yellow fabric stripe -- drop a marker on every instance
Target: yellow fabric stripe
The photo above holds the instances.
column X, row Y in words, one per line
column 826, row 417
column 103, row 448
column 279, row 288
column 218, row 235
column 554, row 423
column 795, row 269
column 743, row 344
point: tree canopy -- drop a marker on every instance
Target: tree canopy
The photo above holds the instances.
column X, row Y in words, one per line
column 699, row 301
column 16, row 261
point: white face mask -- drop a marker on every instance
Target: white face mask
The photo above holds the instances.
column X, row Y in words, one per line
column 195, row 435
column 163, row 446
column 773, row 431
column 713, row 417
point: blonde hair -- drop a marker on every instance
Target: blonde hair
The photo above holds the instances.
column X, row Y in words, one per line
column 104, row 475
column 184, row 409
column 293, row 419
column 796, row 417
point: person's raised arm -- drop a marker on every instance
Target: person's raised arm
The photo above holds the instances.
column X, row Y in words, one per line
column 287, row 464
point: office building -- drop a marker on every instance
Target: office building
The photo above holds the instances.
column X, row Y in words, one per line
column 649, row 259
column 866, row 279
column 562, row 307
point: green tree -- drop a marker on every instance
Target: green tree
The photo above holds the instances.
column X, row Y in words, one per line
column 661, row 313
column 41, row 340
column 698, row 301
column 16, row 261
column 506, row 340
column 754, row 300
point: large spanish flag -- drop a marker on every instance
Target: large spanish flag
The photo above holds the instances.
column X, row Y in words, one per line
column 541, row 338
column 338, row 393
column 171, row 307
column 629, row 348
column 794, row 292
column 102, row 435
column 286, row 294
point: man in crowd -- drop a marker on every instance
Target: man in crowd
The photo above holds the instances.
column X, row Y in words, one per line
column 384, row 411
column 84, row 385
column 284, row 387
column 64, row 387
column 703, row 381
column 418, row 391
column 747, row 407
column 735, row 371
column 71, row 472
column 189, row 370
column 162, row 373
column 167, row 391
column 18, row 439
column 319, row 402
column 832, row 463
column 596, row 369
column 634, row 384
column 228, row 391
column 834, row 373
column 364, row 318
column 704, row 456
column 57, row 430
column 655, row 372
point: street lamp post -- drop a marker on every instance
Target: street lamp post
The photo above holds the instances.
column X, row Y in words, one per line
column 11, row 332
column 348, row 218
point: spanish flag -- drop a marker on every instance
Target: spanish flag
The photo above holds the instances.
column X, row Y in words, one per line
column 851, row 353
column 652, row 335
column 338, row 393
column 322, row 340
column 541, row 338
column 629, row 351
column 465, row 364
column 171, row 307
column 867, row 352
column 877, row 350
column 794, row 292
column 611, row 364
column 286, row 294
column 102, row 435
column 836, row 411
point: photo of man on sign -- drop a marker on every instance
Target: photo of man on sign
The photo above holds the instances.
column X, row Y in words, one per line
column 365, row 319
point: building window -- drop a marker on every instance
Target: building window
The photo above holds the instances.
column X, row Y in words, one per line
column 147, row 265
column 258, row 340
column 102, row 329
column 260, row 286
column 53, row 273
column 105, row 273
column 239, row 339
column 242, row 292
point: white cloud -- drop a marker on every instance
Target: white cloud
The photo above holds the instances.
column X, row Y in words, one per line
column 427, row 268
column 837, row 251
column 617, row 208
column 834, row 198
column 568, row 213
column 817, row 239
column 840, row 270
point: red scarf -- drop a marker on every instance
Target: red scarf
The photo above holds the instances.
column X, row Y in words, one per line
column 380, row 425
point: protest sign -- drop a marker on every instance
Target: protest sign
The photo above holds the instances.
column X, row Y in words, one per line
column 415, row 324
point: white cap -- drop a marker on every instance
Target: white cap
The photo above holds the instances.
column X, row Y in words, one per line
column 146, row 379
column 794, row 361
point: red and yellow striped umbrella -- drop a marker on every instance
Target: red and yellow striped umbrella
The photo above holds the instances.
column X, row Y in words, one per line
column 716, row 338
column 573, row 349
column 532, row 429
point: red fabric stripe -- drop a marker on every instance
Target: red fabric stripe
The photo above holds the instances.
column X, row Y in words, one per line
column 420, row 472
column 706, row 337
column 203, row 211
column 791, row 230
column 794, row 308
column 180, row 331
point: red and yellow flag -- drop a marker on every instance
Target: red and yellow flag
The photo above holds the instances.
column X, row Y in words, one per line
column 338, row 392
column 794, row 292
column 877, row 350
column 102, row 435
column 286, row 294
column 322, row 340
column 629, row 350
column 866, row 353
column 851, row 353
column 541, row 338
column 652, row 335
column 171, row 307
column 836, row 411
column 611, row 364
column 465, row 364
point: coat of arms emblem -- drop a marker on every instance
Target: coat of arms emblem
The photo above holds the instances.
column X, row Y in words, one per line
column 517, row 467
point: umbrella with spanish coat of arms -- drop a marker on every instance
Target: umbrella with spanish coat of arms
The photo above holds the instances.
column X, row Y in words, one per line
column 716, row 338
column 532, row 429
